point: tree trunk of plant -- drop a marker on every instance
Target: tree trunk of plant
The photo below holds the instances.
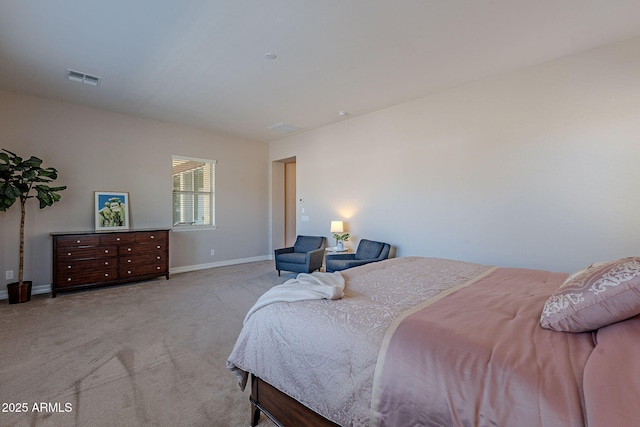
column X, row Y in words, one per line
column 22, row 215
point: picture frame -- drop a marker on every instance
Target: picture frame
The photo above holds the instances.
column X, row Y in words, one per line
column 111, row 210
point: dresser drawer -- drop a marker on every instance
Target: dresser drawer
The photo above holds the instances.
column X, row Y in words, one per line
column 151, row 236
column 141, row 270
column 82, row 275
column 153, row 247
column 159, row 258
column 78, row 240
column 116, row 238
column 92, row 264
column 66, row 254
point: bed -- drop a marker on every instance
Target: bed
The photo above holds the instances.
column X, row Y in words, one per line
column 435, row 342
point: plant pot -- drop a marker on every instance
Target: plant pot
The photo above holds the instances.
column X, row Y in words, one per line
column 19, row 293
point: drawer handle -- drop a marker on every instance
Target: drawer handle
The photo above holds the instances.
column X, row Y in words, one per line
column 129, row 272
column 157, row 257
column 106, row 251
column 68, row 266
column 69, row 254
column 117, row 239
column 157, row 268
column 129, row 249
column 152, row 237
column 106, row 274
column 158, row 247
column 106, row 263
column 128, row 260
column 68, row 279
column 77, row 241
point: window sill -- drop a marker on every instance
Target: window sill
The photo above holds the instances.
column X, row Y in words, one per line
column 194, row 228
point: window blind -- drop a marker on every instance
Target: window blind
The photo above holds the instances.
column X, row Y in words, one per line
column 193, row 191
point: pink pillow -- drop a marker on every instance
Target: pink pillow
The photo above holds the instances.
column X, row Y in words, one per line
column 601, row 294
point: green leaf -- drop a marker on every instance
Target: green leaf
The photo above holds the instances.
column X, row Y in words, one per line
column 12, row 191
column 45, row 200
column 29, row 174
column 6, row 203
column 40, row 179
column 33, row 162
column 48, row 173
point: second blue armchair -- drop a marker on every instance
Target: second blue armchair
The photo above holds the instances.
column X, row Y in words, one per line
column 368, row 251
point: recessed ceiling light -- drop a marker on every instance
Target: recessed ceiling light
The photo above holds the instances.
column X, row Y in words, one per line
column 270, row 56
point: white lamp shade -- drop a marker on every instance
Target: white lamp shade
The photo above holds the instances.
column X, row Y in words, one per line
column 337, row 227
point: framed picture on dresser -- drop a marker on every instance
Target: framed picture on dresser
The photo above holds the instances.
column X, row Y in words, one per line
column 111, row 210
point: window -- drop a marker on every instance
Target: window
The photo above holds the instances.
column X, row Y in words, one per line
column 193, row 192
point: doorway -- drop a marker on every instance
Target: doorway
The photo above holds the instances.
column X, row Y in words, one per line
column 290, row 203
column 283, row 206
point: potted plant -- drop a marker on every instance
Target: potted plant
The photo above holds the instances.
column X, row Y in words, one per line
column 19, row 178
column 340, row 239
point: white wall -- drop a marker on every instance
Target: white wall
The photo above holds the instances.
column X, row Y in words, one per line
column 537, row 168
column 96, row 150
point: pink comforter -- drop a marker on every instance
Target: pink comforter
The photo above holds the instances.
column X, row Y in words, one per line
column 612, row 376
column 478, row 357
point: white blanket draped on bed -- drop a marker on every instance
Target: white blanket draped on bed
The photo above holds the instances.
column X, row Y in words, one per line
column 312, row 286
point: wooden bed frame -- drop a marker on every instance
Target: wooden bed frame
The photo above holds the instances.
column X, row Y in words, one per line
column 280, row 408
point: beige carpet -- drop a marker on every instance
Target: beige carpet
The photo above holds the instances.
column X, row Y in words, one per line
column 146, row 354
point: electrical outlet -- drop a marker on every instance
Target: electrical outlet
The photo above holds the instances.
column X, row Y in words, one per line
column 213, row 252
column 8, row 274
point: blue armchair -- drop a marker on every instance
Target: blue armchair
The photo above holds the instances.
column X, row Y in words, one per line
column 368, row 251
column 305, row 256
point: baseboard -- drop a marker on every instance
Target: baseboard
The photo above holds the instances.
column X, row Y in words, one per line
column 188, row 268
column 46, row 289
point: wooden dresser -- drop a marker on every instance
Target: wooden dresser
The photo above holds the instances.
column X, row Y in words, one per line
column 91, row 259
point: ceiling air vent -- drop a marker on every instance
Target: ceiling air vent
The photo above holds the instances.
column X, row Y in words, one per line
column 283, row 127
column 76, row 76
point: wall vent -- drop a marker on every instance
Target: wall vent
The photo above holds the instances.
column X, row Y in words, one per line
column 76, row 76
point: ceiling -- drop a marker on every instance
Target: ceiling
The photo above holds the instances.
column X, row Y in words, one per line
column 202, row 62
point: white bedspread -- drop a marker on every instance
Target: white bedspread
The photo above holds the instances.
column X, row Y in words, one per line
column 305, row 287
